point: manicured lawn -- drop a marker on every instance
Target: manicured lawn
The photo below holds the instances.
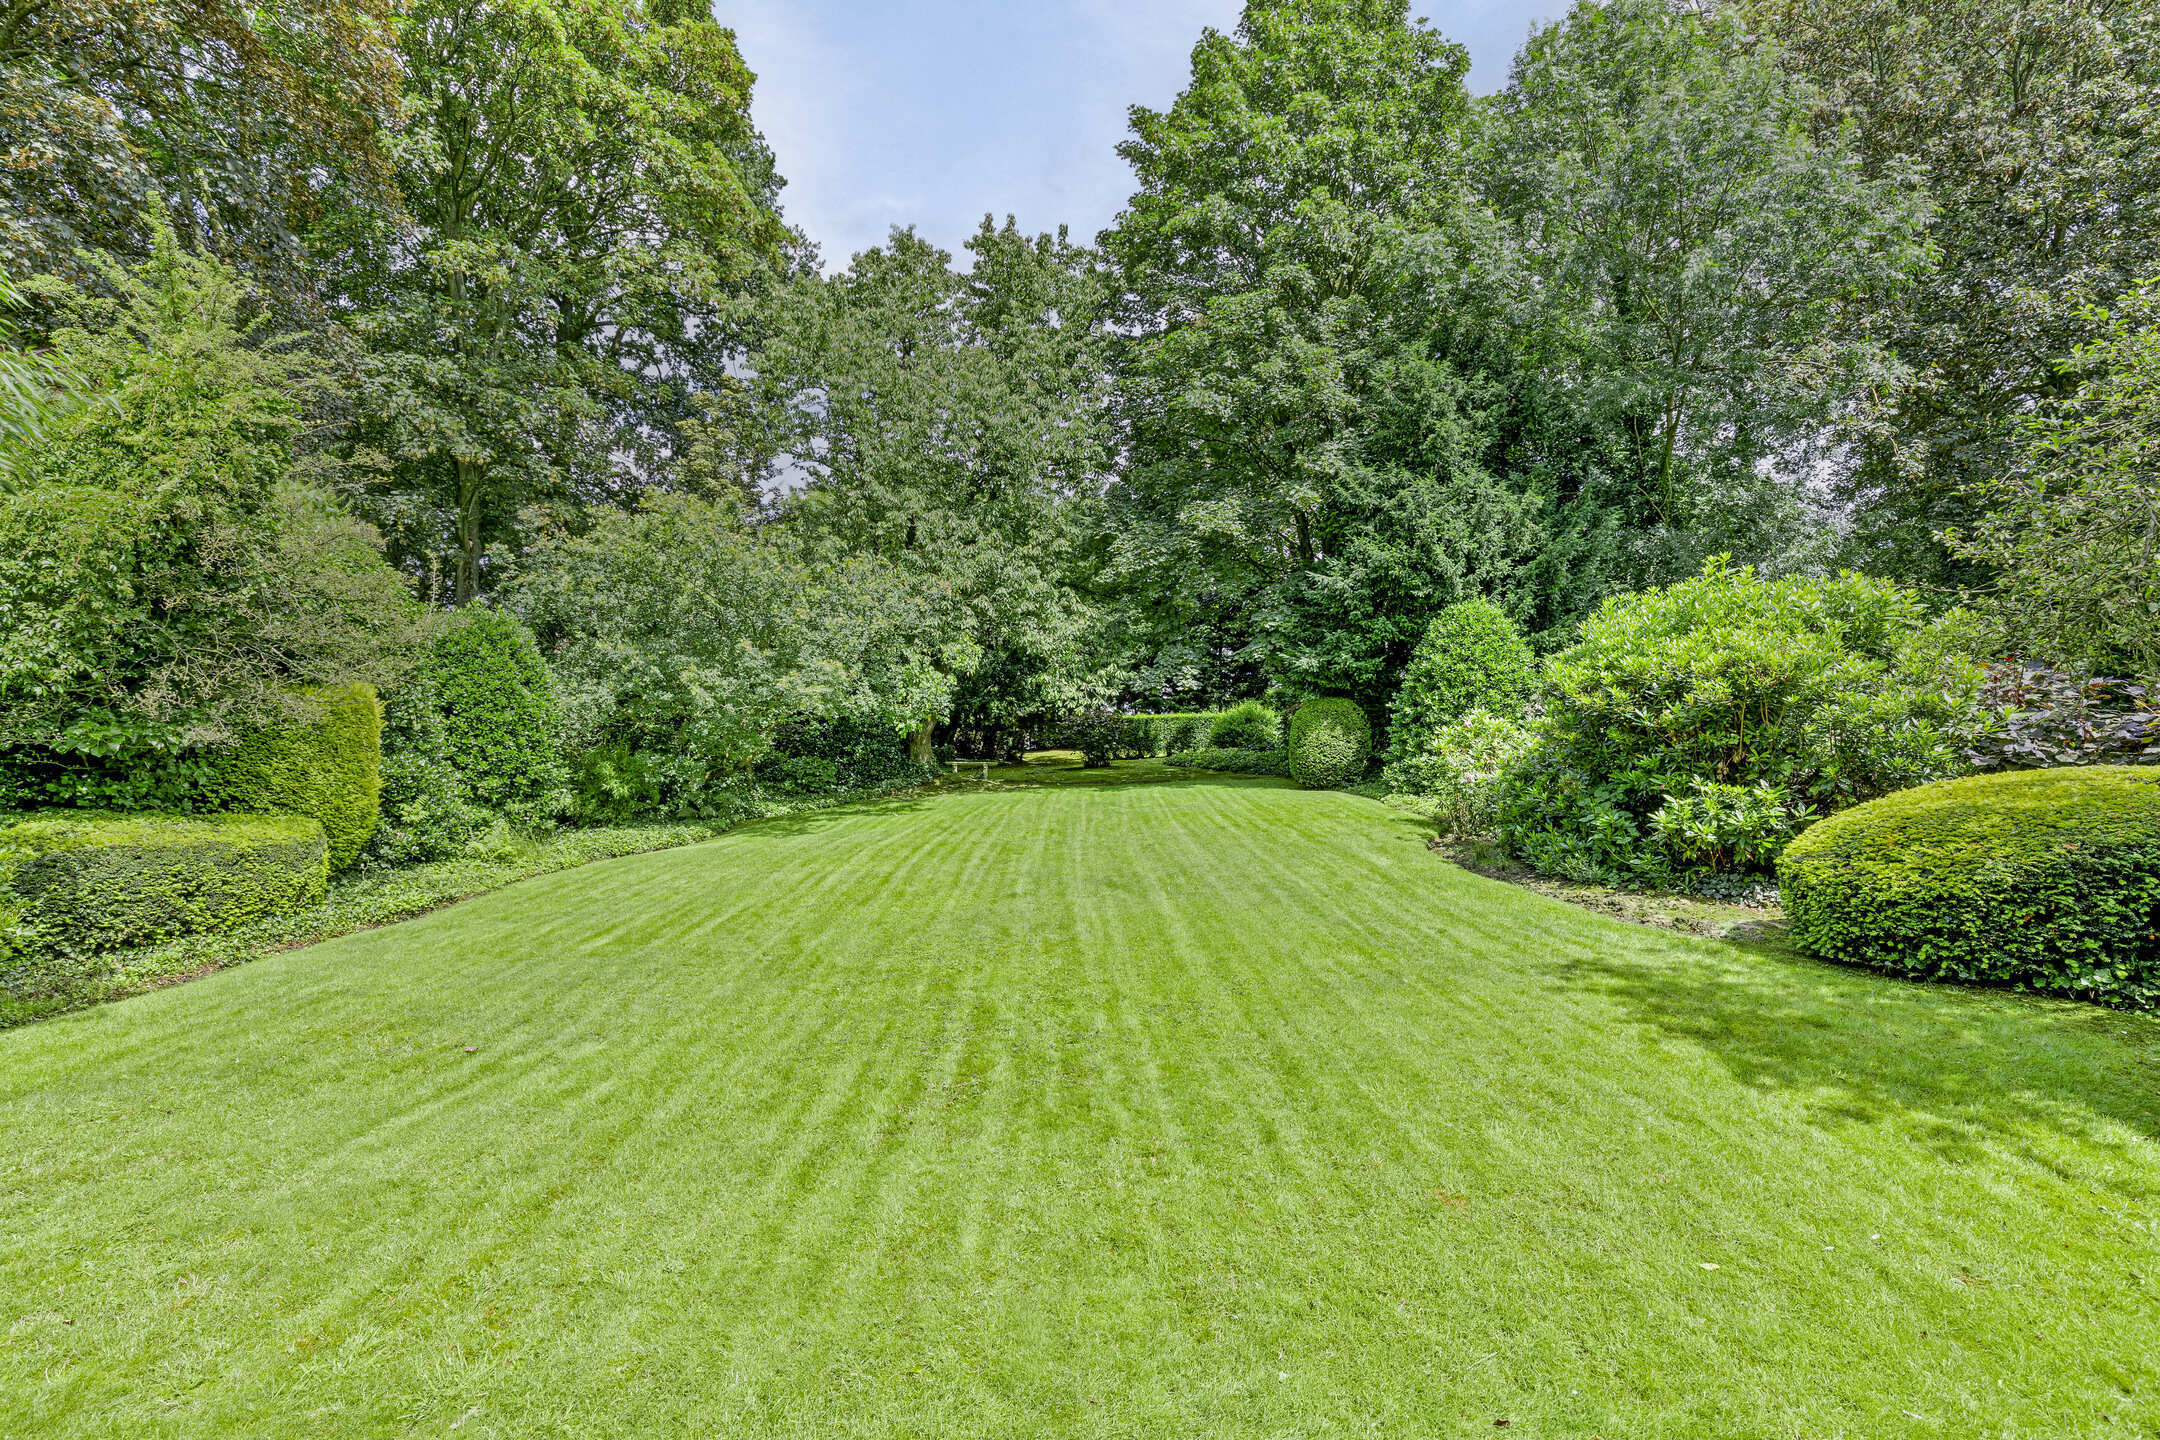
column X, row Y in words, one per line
column 1207, row 1108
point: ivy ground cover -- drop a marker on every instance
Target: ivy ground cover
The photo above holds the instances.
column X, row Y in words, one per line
column 1195, row 1107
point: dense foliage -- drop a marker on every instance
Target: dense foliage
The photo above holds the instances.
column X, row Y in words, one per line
column 166, row 578
column 1697, row 727
column 2044, row 879
column 1472, row 657
column 1329, row 742
column 682, row 639
column 2075, row 533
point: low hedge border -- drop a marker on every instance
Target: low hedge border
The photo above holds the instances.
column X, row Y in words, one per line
column 371, row 896
column 1232, row 762
column 2040, row 879
column 75, row 884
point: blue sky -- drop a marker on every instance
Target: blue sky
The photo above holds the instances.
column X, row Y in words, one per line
column 935, row 112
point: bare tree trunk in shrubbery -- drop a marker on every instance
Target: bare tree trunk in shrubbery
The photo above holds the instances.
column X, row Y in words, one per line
column 921, row 743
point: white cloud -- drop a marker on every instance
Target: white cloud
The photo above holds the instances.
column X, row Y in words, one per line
column 937, row 112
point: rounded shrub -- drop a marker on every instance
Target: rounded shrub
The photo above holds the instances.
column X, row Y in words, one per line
column 1329, row 743
column 1719, row 700
column 1472, row 657
column 1248, row 725
column 2044, row 879
column 325, row 763
column 76, row 882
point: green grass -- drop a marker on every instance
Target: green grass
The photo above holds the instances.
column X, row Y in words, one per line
column 1212, row 1108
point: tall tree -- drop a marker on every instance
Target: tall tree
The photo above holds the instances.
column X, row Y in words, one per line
column 1301, row 391
column 2030, row 122
column 236, row 117
column 2073, row 529
column 584, row 192
column 1697, row 266
column 948, row 423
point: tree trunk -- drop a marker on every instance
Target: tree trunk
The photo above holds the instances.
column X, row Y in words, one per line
column 921, row 743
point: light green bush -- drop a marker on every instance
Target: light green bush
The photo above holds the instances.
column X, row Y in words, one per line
column 1330, row 740
column 1472, row 657
column 1248, row 725
column 1463, row 770
column 2044, row 879
column 77, row 882
column 325, row 764
column 1821, row 692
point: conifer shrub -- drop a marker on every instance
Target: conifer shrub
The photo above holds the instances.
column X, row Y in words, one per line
column 2042, row 879
column 324, row 763
column 1330, row 741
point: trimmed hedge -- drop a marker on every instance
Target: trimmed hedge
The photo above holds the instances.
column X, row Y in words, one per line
column 77, row 882
column 1232, row 762
column 2043, row 879
column 1169, row 732
column 328, row 768
column 1330, row 740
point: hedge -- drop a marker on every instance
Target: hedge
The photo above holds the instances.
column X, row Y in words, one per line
column 1169, row 732
column 1232, row 762
column 76, row 882
column 1330, row 741
column 327, row 766
column 2042, row 879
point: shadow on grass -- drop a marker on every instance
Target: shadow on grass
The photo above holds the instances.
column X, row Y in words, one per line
column 1959, row 1068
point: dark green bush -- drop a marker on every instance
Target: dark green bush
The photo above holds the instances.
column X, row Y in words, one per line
column 1472, row 657
column 1330, row 741
column 1099, row 736
column 501, row 722
column 1143, row 738
column 2044, row 879
column 1232, row 762
column 325, row 764
column 863, row 754
column 76, row 882
column 1248, row 725
column 472, row 734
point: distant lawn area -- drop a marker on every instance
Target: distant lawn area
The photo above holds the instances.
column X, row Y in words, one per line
column 1199, row 1108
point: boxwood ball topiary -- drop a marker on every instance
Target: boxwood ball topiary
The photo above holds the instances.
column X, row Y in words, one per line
column 327, row 765
column 1329, row 743
column 2043, row 879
